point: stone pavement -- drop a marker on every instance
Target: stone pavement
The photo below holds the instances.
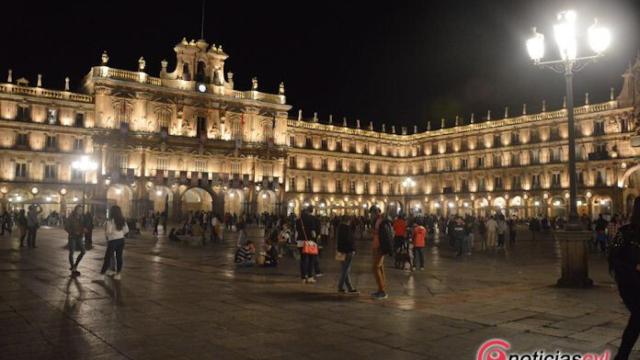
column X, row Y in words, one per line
column 177, row 302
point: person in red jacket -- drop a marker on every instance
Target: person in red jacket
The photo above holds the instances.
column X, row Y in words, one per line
column 419, row 234
column 400, row 231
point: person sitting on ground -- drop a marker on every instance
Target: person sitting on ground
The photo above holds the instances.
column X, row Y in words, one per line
column 271, row 255
column 245, row 253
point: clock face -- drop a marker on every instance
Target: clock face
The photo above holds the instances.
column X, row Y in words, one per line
column 202, row 88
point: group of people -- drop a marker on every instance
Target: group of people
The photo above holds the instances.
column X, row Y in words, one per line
column 79, row 231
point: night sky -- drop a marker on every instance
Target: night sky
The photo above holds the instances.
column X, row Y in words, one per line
column 402, row 63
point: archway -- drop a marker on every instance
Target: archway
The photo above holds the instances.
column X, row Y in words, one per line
column 266, row 202
column 234, row 199
column 162, row 199
column 516, row 207
column 18, row 199
column 602, row 205
column 481, row 207
column 558, row 207
column 627, row 174
column 499, row 204
column 196, row 199
column 117, row 194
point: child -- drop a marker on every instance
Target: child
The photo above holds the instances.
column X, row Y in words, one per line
column 245, row 253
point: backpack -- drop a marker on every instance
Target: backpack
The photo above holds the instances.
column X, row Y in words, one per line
column 386, row 235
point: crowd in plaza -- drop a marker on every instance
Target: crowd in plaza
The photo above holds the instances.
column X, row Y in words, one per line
column 402, row 238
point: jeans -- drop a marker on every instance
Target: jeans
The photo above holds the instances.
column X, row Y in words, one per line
column 418, row 255
column 113, row 246
column 75, row 244
column 460, row 244
column 31, row 236
column 345, row 278
column 88, row 238
column 378, row 269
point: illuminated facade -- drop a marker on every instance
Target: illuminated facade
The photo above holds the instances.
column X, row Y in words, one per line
column 188, row 140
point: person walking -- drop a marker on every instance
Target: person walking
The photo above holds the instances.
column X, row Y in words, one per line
column 382, row 245
column 601, row 236
column 492, row 228
column 21, row 221
column 511, row 224
column 33, row 224
column 115, row 230
column 88, row 229
column 502, row 229
column 419, row 234
column 346, row 246
column 75, row 230
column 624, row 265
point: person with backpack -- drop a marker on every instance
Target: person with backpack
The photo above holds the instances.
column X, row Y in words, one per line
column 75, row 228
column 624, row 265
column 419, row 234
column 382, row 245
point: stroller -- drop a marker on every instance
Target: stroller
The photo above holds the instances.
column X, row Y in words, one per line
column 403, row 254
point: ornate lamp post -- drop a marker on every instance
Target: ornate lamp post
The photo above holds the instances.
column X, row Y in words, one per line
column 565, row 35
column 575, row 271
column 407, row 183
column 84, row 165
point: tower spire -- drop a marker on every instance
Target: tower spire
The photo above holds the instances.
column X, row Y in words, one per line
column 202, row 20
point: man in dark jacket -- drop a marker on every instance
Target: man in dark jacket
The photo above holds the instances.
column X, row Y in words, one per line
column 88, row 230
column 346, row 246
column 75, row 228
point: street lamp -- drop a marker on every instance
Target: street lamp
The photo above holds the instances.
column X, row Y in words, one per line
column 407, row 183
column 564, row 32
column 84, row 165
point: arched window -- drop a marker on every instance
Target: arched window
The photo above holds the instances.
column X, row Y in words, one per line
column 201, row 72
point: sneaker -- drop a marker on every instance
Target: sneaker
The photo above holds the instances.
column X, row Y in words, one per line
column 311, row 280
column 341, row 291
column 422, row 268
column 319, row 275
column 304, row 281
column 110, row 272
column 354, row 292
column 75, row 273
column 380, row 295
column 116, row 276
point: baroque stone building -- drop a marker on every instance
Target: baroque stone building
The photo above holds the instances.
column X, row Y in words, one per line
column 188, row 140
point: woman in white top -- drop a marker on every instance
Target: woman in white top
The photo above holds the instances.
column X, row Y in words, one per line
column 115, row 230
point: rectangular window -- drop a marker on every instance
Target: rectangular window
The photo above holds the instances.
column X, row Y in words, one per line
column 515, row 159
column 481, row 162
column 308, row 185
column 366, row 187
column 24, row 113
column 78, row 144
column 516, row 183
column 352, row 187
column 498, row 183
column 235, row 168
column 464, row 163
column 324, row 164
column 598, row 128
column 267, row 171
column 308, row 142
column 497, row 162
column 292, row 184
column 201, row 129
column 51, row 172
column 76, row 175
column 600, row 177
column 200, row 165
column 292, row 141
column 120, row 161
column 324, row 144
column 464, row 187
column 22, row 140
column 51, row 142
column 21, row 170
column 580, row 178
column 379, row 188
column 339, row 186
column 162, row 164
column 52, row 116
column 338, row 165
column 535, row 181
column 555, row 180
column 292, row 162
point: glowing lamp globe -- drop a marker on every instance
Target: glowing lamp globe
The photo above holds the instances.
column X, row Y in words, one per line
column 535, row 46
column 565, row 34
column 599, row 38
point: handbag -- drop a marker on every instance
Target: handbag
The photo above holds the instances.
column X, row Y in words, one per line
column 340, row 256
column 309, row 247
